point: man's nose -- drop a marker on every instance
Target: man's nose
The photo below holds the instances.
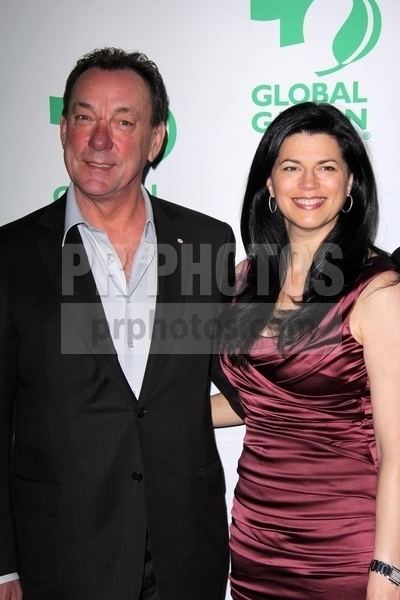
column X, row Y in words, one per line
column 101, row 137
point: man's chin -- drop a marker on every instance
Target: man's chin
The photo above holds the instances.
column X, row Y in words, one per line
column 95, row 193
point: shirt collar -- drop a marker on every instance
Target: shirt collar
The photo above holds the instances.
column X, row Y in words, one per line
column 73, row 216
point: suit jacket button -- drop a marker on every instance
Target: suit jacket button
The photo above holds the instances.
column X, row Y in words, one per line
column 137, row 476
column 141, row 412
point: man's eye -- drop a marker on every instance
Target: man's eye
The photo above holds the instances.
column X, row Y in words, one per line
column 81, row 118
column 126, row 123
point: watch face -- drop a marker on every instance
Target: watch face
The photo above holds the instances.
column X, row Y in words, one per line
column 395, row 576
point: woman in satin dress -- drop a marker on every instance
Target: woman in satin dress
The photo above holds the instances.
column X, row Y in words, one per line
column 312, row 344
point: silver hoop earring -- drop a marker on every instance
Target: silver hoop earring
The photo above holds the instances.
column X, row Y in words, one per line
column 272, row 204
column 350, row 205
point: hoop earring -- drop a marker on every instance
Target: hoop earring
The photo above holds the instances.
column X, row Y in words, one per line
column 272, row 204
column 350, row 206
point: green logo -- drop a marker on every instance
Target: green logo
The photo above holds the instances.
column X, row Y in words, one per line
column 355, row 39
column 172, row 129
column 56, row 106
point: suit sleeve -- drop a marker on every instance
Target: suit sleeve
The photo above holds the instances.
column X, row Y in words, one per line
column 396, row 256
column 226, row 284
column 8, row 361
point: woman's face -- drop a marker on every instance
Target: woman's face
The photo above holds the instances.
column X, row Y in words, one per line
column 310, row 182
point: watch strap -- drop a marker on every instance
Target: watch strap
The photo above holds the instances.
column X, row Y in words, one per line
column 388, row 571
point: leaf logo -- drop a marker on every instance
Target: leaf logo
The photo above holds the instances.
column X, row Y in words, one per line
column 357, row 36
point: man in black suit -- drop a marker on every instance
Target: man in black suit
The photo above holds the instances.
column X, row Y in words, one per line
column 111, row 483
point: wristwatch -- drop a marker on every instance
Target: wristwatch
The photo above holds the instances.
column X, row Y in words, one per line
column 390, row 572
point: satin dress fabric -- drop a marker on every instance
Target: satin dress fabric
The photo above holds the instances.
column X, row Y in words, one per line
column 303, row 515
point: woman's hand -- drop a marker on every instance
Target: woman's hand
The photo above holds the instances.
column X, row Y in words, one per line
column 380, row 588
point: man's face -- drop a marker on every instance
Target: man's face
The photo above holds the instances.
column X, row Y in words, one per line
column 107, row 135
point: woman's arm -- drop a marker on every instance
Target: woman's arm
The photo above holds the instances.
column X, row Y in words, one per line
column 376, row 322
column 223, row 414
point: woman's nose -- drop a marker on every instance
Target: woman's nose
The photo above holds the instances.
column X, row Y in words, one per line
column 308, row 179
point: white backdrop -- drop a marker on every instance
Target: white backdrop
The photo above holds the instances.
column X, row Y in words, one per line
column 229, row 65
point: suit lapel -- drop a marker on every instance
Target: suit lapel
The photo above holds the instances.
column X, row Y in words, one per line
column 81, row 309
column 169, row 298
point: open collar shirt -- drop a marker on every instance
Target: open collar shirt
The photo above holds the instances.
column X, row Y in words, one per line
column 129, row 306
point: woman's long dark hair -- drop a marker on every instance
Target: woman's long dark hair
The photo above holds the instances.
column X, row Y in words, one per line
column 338, row 261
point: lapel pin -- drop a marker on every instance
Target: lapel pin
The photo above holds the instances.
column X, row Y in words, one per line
column 180, row 241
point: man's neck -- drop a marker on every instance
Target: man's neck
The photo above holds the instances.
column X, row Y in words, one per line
column 123, row 220
column 115, row 215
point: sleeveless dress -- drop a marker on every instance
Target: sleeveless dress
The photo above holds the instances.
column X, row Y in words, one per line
column 303, row 516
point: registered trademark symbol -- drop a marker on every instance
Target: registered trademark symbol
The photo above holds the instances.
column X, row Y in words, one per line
column 366, row 135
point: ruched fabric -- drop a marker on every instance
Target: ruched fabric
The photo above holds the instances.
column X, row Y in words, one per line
column 303, row 515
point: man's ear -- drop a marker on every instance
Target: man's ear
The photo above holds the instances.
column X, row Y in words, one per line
column 157, row 141
column 63, row 130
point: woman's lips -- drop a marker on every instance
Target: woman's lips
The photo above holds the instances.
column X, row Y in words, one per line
column 309, row 203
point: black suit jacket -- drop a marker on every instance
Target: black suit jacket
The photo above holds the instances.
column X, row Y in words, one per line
column 86, row 467
column 396, row 256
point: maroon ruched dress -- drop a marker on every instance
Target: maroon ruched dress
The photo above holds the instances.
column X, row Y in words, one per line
column 304, row 509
